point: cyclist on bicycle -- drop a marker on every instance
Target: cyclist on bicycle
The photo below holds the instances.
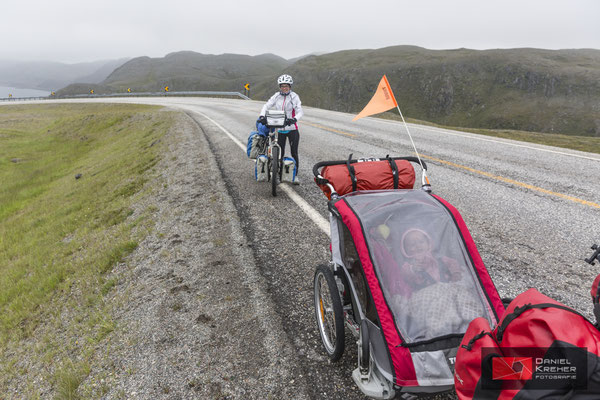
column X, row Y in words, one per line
column 288, row 101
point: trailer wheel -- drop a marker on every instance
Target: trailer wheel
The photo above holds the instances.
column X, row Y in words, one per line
column 365, row 352
column 329, row 312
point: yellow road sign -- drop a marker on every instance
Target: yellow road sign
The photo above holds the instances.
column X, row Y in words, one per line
column 128, row 90
column 166, row 88
column 52, row 94
column 9, row 95
column 91, row 91
column 247, row 86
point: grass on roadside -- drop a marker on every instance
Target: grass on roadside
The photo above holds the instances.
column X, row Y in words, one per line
column 588, row 144
column 70, row 175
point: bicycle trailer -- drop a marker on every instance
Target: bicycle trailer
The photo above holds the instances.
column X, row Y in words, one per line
column 405, row 277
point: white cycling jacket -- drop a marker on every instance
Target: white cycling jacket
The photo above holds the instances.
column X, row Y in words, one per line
column 291, row 104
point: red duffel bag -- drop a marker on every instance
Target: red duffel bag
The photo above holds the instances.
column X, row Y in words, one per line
column 368, row 174
column 540, row 349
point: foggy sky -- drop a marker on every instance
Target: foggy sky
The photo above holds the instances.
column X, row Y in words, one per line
column 73, row 31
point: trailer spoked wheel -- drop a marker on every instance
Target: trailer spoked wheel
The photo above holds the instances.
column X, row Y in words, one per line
column 329, row 312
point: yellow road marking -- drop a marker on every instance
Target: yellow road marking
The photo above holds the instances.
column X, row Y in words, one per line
column 513, row 182
column 329, row 129
column 489, row 175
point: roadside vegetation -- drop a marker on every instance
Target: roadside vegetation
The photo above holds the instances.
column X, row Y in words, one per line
column 588, row 144
column 582, row 143
column 70, row 176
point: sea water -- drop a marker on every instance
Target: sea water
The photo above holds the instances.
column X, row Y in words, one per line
column 5, row 91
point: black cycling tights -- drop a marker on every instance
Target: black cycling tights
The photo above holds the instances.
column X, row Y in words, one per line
column 294, row 138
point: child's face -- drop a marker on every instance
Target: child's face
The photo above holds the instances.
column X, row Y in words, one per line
column 416, row 243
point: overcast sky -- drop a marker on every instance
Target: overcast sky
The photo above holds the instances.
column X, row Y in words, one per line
column 73, row 31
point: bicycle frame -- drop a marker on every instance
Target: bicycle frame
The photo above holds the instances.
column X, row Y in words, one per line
column 268, row 147
column 273, row 142
column 275, row 119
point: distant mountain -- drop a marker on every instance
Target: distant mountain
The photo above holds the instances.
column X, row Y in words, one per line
column 187, row 71
column 293, row 60
column 524, row 89
column 52, row 75
column 103, row 72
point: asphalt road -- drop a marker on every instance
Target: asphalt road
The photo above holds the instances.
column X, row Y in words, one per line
column 533, row 211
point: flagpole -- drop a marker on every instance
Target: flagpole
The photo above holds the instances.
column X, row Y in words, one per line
column 424, row 178
column 384, row 100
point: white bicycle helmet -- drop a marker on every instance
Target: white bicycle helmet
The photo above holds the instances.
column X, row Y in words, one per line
column 285, row 79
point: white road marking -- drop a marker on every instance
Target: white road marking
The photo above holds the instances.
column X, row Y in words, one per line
column 233, row 138
column 313, row 214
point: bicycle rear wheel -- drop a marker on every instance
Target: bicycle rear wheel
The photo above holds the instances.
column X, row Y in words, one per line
column 274, row 169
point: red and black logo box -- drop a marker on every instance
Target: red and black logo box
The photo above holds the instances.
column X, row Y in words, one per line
column 535, row 368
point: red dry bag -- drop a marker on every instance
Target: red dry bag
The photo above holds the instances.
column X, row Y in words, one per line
column 539, row 349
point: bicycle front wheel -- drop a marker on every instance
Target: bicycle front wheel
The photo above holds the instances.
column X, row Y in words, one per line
column 274, row 169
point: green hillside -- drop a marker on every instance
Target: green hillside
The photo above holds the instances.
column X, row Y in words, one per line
column 186, row 71
column 525, row 89
column 521, row 89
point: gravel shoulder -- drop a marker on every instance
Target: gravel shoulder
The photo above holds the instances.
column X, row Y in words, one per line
column 194, row 319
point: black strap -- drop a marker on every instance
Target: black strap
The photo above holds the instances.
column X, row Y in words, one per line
column 475, row 338
column 520, row 310
column 446, row 341
column 394, row 170
column 596, row 303
column 596, row 299
column 352, row 173
column 597, row 314
column 569, row 395
column 321, row 181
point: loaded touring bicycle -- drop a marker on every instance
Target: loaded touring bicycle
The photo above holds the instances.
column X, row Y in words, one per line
column 405, row 277
column 263, row 147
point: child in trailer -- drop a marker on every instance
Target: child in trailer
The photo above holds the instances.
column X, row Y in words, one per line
column 421, row 267
column 432, row 294
column 441, row 278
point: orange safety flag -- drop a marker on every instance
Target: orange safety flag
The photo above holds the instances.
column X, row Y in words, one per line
column 382, row 100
